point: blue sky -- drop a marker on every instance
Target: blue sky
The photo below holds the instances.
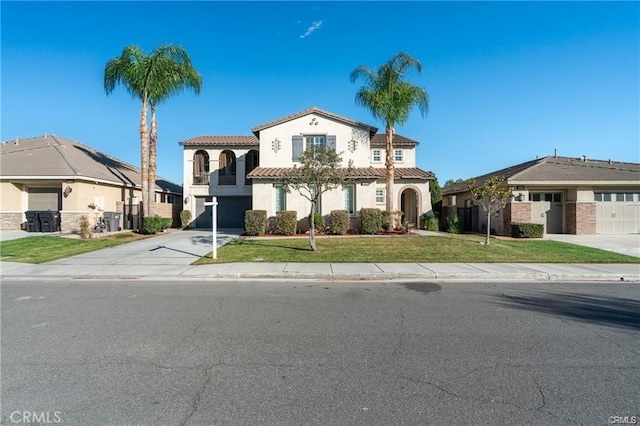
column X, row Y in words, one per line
column 508, row 81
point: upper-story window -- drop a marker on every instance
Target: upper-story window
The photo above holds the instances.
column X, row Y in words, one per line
column 397, row 155
column 227, row 171
column 376, row 155
column 300, row 143
column 252, row 160
column 201, row 168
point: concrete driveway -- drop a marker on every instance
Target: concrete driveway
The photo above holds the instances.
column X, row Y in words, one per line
column 623, row 244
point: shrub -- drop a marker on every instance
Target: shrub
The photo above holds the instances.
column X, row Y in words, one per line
column 452, row 224
column 527, row 230
column 286, row 222
column 371, row 220
column 255, row 222
column 429, row 222
column 318, row 221
column 339, row 222
column 154, row 224
column 185, row 218
column 85, row 227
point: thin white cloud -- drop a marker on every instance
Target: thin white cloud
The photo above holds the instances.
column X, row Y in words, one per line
column 314, row 26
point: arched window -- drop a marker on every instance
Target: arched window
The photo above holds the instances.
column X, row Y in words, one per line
column 227, row 171
column 251, row 162
column 201, row 168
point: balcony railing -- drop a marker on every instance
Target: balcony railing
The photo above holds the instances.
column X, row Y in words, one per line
column 201, row 180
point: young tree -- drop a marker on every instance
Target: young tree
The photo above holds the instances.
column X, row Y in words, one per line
column 493, row 195
column 390, row 99
column 320, row 171
column 151, row 78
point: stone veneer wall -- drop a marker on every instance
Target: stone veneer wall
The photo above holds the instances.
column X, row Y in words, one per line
column 70, row 221
column 581, row 218
column 11, row 221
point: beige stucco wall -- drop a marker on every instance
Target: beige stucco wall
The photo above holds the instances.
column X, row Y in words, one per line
column 11, row 197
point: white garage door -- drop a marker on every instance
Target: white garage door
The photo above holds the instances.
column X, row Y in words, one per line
column 617, row 212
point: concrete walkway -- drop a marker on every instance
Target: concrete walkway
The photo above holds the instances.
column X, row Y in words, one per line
column 623, row 244
column 169, row 256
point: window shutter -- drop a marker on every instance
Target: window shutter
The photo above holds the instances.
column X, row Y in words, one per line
column 296, row 143
column 331, row 142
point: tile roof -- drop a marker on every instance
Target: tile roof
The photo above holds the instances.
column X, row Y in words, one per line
column 380, row 139
column 56, row 157
column 356, row 173
column 222, row 140
column 560, row 169
column 317, row 111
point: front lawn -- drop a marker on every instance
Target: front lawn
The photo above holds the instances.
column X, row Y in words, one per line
column 42, row 249
column 414, row 249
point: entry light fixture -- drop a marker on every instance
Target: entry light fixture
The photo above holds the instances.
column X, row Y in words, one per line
column 67, row 191
column 520, row 197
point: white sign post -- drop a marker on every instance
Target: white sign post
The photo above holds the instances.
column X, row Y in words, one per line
column 214, row 223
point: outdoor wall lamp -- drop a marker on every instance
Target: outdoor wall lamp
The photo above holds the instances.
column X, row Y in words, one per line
column 520, row 197
column 67, row 191
column 186, row 200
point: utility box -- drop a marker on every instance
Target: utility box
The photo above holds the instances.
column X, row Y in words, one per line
column 112, row 219
column 33, row 221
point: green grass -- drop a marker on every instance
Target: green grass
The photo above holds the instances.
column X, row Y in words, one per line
column 452, row 248
column 42, row 249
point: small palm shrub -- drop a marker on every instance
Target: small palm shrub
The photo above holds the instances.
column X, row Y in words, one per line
column 452, row 224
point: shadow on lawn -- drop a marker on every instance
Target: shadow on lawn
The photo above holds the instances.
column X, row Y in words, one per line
column 602, row 310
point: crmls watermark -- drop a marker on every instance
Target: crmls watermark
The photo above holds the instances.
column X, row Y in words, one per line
column 623, row 420
column 35, row 417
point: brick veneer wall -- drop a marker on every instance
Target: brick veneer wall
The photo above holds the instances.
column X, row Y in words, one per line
column 70, row 221
column 581, row 218
column 518, row 212
column 11, row 221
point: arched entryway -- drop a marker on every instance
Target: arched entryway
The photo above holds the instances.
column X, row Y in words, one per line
column 409, row 203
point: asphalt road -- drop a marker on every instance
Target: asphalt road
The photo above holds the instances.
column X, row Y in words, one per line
column 198, row 353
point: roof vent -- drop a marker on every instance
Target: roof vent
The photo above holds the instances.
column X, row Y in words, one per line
column 17, row 140
column 610, row 162
column 555, row 153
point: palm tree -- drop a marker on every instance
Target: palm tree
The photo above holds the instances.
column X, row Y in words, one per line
column 152, row 79
column 390, row 99
column 177, row 74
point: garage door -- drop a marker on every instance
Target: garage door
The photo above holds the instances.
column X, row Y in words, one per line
column 45, row 199
column 617, row 212
column 230, row 212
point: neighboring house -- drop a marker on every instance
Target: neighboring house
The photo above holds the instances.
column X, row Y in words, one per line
column 53, row 173
column 245, row 172
column 567, row 195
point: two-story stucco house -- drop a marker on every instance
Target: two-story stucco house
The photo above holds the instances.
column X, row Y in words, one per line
column 244, row 172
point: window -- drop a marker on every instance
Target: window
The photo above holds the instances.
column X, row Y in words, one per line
column 227, row 171
column 548, row 197
column 606, row 196
column 201, row 168
column 314, row 142
column 619, row 197
column 628, row 196
column 171, row 199
column 557, row 198
column 534, row 197
column 251, row 162
column 397, row 155
column 350, row 199
column 379, row 196
column 597, row 196
column 376, row 155
column 280, row 198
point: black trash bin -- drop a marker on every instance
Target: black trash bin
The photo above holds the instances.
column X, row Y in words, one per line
column 48, row 222
column 33, row 221
column 112, row 219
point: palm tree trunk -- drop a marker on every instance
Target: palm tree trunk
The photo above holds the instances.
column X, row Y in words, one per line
column 144, row 160
column 153, row 143
column 390, row 174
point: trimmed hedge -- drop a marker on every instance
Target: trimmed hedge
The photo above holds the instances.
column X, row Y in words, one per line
column 527, row 230
column 339, row 222
column 154, row 224
column 371, row 220
column 318, row 221
column 255, row 222
column 286, row 222
column 185, row 218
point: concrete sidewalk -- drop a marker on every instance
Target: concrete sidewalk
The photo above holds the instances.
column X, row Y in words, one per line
column 169, row 256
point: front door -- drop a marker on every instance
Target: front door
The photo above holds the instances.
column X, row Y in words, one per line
column 409, row 205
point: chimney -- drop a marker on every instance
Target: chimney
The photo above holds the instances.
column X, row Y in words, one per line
column 555, row 153
column 17, row 140
column 584, row 158
column 610, row 162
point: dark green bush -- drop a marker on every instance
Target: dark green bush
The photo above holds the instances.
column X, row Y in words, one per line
column 429, row 222
column 452, row 224
column 154, row 224
column 185, row 218
column 318, row 221
column 371, row 220
column 527, row 230
column 339, row 222
column 286, row 222
column 255, row 222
